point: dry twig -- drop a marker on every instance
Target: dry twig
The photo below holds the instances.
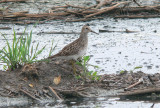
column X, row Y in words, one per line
column 138, row 16
column 29, row 94
column 4, row 1
column 136, row 2
column 54, row 92
column 107, row 9
column 103, row 2
column 131, row 86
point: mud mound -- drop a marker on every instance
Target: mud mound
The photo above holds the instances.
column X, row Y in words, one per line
column 55, row 80
column 36, row 80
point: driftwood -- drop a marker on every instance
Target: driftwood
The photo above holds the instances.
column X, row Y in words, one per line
column 78, row 13
column 5, row 28
column 137, row 16
column 83, row 19
column 4, row 1
column 61, row 32
column 107, row 9
column 126, row 31
column 140, row 9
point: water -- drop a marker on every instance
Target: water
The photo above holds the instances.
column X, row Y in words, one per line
column 101, row 103
column 111, row 51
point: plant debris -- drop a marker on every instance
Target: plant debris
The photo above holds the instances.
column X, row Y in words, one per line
column 73, row 13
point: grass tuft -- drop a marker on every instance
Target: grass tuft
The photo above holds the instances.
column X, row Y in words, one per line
column 20, row 52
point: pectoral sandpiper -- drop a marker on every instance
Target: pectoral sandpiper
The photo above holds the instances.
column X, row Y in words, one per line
column 77, row 48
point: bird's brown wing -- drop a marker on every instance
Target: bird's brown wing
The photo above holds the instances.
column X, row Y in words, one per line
column 70, row 49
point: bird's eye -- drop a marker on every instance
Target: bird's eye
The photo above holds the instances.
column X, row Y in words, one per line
column 87, row 28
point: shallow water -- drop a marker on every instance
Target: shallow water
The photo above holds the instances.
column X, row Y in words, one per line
column 108, row 104
column 100, row 103
column 111, row 51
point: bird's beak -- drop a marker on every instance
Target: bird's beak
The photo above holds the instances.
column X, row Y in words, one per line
column 94, row 32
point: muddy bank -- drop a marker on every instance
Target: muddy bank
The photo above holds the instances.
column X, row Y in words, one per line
column 36, row 83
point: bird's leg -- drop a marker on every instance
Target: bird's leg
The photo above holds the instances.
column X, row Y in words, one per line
column 73, row 66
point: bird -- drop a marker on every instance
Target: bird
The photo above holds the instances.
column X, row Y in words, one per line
column 77, row 48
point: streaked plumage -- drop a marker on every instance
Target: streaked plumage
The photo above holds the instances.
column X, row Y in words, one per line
column 77, row 48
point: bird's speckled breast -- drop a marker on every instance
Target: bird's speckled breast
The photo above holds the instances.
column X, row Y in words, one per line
column 83, row 49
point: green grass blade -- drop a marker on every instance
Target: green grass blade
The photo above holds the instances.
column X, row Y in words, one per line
column 20, row 52
column 38, row 52
column 52, row 48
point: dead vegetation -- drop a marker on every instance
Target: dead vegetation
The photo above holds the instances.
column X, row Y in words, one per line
column 73, row 13
column 5, row 1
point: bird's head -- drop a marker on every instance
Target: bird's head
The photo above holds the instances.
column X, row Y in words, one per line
column 86, row 29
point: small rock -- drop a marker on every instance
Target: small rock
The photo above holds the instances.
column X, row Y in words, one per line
column 155, row 31
column 119, row 52
column 149, row 67
column 157, row 66
column 57, row 62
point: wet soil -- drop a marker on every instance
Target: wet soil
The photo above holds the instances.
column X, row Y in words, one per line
column 36, row 81
column 39, row 75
